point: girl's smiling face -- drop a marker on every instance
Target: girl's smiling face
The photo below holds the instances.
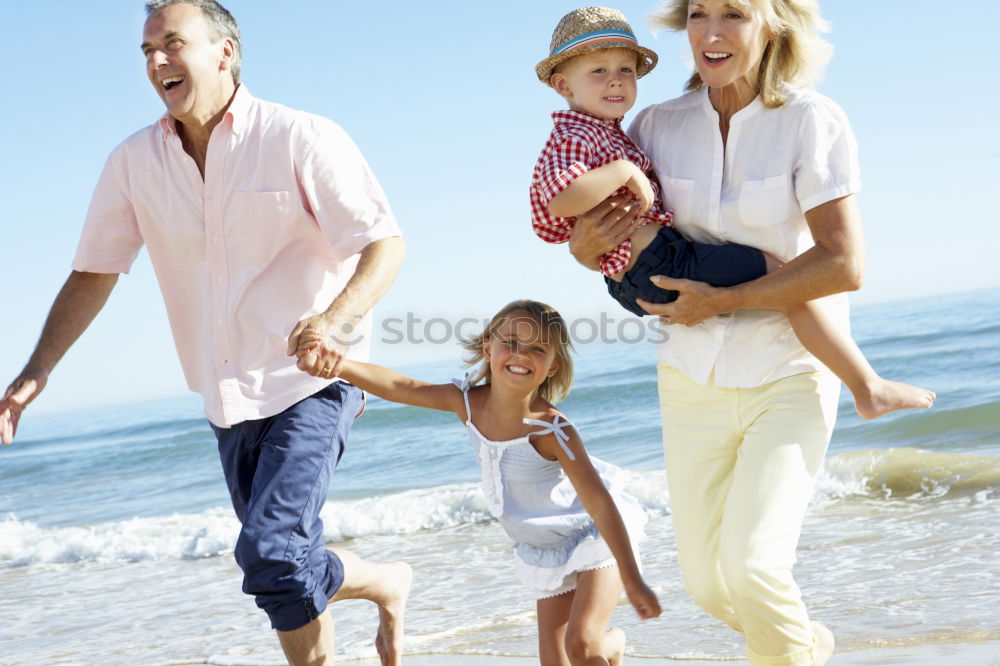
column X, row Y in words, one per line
column 520, row 352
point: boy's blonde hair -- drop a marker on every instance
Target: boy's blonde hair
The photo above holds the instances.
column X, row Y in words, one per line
column 552, row 330
column 795, row 56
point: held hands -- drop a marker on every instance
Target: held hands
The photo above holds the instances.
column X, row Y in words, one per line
column 696, row 301
column 320, row 343
column 18, row 395
column 643, row 600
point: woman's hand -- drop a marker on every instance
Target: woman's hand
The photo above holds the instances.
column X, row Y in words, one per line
column 696, row 301
column 603, row 228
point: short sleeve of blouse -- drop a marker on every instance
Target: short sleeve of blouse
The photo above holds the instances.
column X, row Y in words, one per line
column 827, row 167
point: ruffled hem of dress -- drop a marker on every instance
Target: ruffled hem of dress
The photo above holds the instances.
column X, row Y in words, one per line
column 589, row 553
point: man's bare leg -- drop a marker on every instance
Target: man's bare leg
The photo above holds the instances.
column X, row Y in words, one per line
column 311, row 645
column 387, row 585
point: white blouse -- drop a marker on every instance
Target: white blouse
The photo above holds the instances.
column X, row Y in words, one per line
column 777, row 164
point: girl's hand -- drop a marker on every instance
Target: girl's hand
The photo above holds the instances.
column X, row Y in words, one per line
column 643, row 600
column 639, row 185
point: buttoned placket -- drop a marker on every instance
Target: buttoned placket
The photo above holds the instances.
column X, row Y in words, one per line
column 721, row 157
column 218, row 270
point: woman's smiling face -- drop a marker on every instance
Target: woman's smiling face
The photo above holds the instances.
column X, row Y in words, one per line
column 727, row 41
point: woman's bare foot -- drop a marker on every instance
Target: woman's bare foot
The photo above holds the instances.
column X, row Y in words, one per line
column 884, row 396
column 824, row 643
column 392, row 612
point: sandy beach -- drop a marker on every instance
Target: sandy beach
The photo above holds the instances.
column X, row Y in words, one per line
column 943, row 655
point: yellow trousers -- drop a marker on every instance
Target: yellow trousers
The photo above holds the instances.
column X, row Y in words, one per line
column 741, row 464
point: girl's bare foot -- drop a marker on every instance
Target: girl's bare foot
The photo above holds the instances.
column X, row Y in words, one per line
column 391, row 614
column 614, row 644
column 884, row 396
column 824, row 643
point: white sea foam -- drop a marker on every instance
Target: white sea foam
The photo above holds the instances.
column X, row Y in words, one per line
column 897, row 474
column 213, row 532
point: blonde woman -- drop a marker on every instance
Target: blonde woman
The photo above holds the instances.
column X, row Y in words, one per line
column 749, row 155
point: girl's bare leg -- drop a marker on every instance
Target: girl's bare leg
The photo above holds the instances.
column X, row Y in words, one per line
column 589, row 642
column 553, row 618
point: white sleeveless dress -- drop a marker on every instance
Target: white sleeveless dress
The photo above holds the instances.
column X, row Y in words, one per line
column 535, row 502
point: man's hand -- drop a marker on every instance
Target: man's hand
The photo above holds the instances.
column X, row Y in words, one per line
column 18, row 395
column 696, row 301
column 320, row 342
column 603, row 228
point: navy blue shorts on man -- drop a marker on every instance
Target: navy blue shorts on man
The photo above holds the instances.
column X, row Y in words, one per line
column 278, row 470
column 672, row 255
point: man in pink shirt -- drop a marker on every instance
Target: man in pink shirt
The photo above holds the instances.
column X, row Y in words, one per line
column 262, row 224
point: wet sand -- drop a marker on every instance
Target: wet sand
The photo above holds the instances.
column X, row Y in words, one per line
column 922, row 655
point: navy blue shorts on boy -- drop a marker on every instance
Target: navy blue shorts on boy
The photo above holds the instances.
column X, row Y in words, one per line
column 278, row 470
column 672, row 255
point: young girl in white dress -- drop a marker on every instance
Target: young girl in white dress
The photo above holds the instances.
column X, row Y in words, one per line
column 574, row 529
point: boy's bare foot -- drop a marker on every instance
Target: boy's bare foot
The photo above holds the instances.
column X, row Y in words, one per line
column 614, row 645
column 886, row 396
column 391, row 614
column 824, row 643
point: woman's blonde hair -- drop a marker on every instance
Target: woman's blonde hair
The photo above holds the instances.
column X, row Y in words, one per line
column 551, row 330
column 796, row 54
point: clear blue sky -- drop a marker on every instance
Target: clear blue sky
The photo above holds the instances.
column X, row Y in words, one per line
column 442, row 99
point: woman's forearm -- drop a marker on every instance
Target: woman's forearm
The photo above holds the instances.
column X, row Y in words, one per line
column 835, row 264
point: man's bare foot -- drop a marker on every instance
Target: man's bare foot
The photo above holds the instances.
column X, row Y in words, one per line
column 886, row 396
column 391, row 614
column 824, row 643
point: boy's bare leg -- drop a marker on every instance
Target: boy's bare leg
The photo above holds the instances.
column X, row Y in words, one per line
column 387, row 585
column 873, row 395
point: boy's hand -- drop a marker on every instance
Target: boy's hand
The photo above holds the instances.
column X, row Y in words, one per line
column 639, row 185
column 643, row 600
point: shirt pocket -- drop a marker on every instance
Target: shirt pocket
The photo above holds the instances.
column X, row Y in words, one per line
column 764, row 203
column 260, row 223
column 678, row 196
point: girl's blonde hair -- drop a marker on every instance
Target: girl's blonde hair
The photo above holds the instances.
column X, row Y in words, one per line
column 551, row 329
column 796, row 55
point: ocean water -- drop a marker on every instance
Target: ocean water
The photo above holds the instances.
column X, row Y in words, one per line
column 116, row 531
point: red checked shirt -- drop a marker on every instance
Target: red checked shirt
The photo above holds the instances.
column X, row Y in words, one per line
column 580, row 142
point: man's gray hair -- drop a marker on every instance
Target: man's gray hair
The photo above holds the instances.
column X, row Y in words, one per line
column 221, row 24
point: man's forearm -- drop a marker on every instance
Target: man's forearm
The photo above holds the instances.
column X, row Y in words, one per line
column 376, row 270
column 80, row 299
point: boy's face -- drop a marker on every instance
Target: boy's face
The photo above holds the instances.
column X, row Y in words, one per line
column 601, row 83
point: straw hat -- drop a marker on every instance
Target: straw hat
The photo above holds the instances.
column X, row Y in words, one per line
column 589, row 29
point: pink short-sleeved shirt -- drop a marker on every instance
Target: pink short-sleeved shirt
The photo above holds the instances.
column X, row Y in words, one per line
column 269, row 237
